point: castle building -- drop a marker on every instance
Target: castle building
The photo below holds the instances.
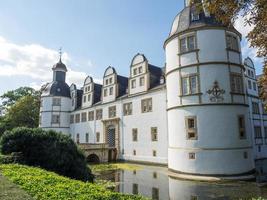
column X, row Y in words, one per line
column 200, row 114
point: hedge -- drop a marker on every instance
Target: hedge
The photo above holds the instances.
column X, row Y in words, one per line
column 44, row 185
column 46, row 149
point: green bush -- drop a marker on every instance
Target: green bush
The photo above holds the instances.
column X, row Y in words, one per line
column 43, row 185
column 49, row 150
column 8, row 159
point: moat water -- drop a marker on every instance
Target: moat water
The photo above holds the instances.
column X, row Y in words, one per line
column 154, row 182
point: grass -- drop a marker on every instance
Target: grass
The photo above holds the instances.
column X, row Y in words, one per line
column 44, row 185
column 114, row 166
column 9, row 191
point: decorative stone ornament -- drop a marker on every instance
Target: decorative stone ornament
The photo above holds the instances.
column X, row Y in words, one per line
column 216, row 93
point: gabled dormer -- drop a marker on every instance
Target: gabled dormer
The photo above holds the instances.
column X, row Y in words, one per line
column 114, row 85
column 91, row 92
column 143, row 76
column 250, row 77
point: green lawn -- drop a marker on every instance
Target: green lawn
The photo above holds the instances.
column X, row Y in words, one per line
column 9, row 191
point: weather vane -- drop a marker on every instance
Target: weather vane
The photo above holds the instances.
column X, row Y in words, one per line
column 60, row 53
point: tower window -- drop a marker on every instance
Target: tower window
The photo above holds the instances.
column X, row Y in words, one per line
column 134, row 152
column 232, row 42
column 87, row 137
column 55, row 119
column 187, row 44
column 191, row 127
column 56, row 101
column 97, row 137
column 190, row 84
column 255, row 108
column 257, row 132
column 242, row 128
column 192, row 156
column 249, row 84
column 237, row 83
column 154, row 153
column 254, row 86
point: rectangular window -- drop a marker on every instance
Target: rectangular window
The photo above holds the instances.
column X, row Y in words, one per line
column 84, row 98
column 78, row 138
column 146, row 105
column 135, row 71
column 194, row 16
column 77, row 118
column 105, row 92
column 110, row 80
column 106, row 81
column 111, row 91
column 154, row 153
column 140, row 70
column 87, row 137
column 232, row 42
column 56, row 101
column 89, row 97
column 254, row 86
column 187, row 44
column 192, row 156
column 155, row 193
column 97, row 137
column 134, row 134
column 71, row 119
column 91, row 116
column 154, row 134
column 249, row 84
column 257, row 130
column 191, row 127
column 55, row 119
column 237, row 84
column 190, row 84
column 255, row 108
column 242, row 127
column 127, row 109
column 134, row 152
column 112, row 111
column 133, row 82
column 135, row 189
column 99, row 114
column 142, row 81
column 84, row 118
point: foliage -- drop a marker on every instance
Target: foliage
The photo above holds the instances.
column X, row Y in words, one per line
column 8, row 159
column 11, row 97
column 43, row 185
column 48, row 149
column 114, row 166
column 22, row 107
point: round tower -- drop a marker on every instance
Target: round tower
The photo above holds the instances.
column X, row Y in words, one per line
column 56, row 101
column 207, row 109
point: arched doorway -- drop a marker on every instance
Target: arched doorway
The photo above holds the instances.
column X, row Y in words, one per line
column 93, row 159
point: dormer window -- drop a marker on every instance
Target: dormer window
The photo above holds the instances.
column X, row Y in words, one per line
column 142, row 81
column 194, row 16
column 133, row 83
column 135, row 71
column 106, row 81
column 140, row 69
column 85, row 89
column 111, row 91
column 56, row 101
column 110, row 80
column 105, row 92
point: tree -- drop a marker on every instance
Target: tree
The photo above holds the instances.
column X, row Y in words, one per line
column 22, row 107
column 11, row 97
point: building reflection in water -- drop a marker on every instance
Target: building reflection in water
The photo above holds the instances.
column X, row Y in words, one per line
column 154, row 182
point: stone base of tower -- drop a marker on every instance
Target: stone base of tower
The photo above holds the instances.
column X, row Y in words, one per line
column 209, row 177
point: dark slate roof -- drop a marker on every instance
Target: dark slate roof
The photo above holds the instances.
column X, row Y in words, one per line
column 97, row 92
column 183, row 22
column 123, row 85
column 79, row 98
column 155, row 75
column 57, row 88
column 60, row 65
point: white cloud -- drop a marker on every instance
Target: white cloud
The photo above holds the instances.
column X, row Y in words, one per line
column 34, row 61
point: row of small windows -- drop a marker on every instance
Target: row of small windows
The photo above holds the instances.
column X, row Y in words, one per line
column 87, row 137
column 87, row 88
column 190, row 84
column 250, row 73
column 154, row 153
column 188, row 43
column 154, row 134
column 191, row 127
column 87, row 98
column 141, row 82
column 109, row 81
column 146, row 106
column 110, row 91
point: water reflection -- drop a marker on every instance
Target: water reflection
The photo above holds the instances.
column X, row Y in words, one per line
column 155, row 183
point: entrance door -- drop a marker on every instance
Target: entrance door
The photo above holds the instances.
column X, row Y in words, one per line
column 111, row 136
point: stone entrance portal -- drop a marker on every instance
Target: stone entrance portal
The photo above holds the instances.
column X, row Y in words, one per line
column 111, row 128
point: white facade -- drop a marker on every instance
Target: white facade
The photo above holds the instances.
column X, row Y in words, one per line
column 199, row 122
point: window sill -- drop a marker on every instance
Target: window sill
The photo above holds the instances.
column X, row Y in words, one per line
column 189, row 95
column 186, row 52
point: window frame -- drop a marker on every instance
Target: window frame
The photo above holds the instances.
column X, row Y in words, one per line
column 184, row 44
column 190, row 130
column 145, row 105
column 242, row 128
column 127, row 108
column 112, row 111
column 154, row 134
column 189, row 86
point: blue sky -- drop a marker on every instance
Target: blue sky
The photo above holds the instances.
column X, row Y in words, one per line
column 93, row 33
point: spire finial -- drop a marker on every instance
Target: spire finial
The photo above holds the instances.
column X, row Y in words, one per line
column 60, row 53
